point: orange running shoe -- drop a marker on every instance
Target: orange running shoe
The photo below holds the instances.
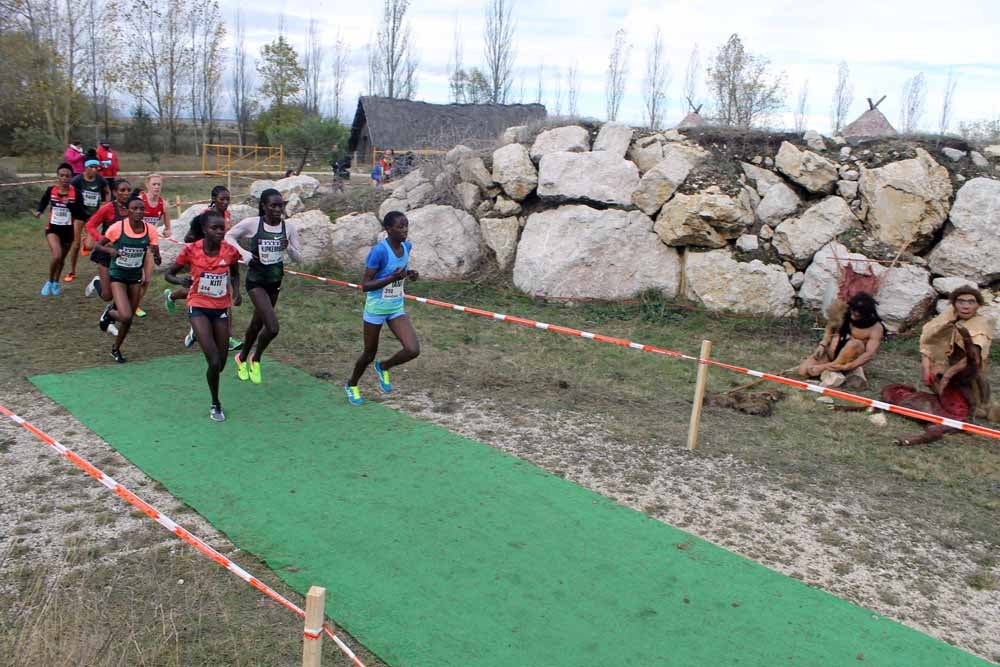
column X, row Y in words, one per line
column 69, row 277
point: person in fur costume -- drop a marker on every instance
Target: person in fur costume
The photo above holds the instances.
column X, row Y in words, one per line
column 851, row 339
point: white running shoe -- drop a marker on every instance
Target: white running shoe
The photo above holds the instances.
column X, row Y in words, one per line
column 112, row 330
column 92, row 286
column 189, row 339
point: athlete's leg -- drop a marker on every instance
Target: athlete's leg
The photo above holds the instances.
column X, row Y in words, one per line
column 371, row 335
column 56, row 261
column 402, row 327
column 105, row 275
column 263, row 307
column 124, row 297
column 74, row 249
column 215, row 356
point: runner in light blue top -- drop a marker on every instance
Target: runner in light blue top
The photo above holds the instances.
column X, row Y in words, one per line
column 383, row 280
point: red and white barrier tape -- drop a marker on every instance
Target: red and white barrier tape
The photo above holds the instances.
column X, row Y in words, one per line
column 797, row 384
column 171, row 526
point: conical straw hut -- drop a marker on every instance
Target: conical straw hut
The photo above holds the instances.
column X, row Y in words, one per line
column 872, row 124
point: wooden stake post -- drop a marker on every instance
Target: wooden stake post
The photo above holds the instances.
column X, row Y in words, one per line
column 312, row 635
column 178, row 204
column 699, row 394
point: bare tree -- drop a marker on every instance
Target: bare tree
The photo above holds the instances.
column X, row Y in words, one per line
column 913, row 103
column 498, row 35
column 394, row 64
column 312, row 65
column 241, row 87
column 207, row 34
column 557, row 91
column 949, row 94
column 617, row 73
column 457, row 75
column 691, row 75
column 572, row 90
column 655, row 84
column 101, row 72
column 339, row 71
column 540, row 89
column 745, row 92
column 843, row 97
column 800, row 107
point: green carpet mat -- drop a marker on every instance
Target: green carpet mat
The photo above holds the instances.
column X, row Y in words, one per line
column 437, row 550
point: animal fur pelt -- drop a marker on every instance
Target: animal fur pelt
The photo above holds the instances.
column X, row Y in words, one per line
column 752, row 403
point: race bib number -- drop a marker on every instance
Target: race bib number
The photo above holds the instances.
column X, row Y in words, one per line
column 61, row 216
column 151, row 220
column 91, row 198
column 214, row 285
column 130, row 257
column 269, row 251
column 393, row 290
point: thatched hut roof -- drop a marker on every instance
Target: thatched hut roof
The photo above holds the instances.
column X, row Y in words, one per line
column 693, row 119
column 406, row 124
column 871, row 124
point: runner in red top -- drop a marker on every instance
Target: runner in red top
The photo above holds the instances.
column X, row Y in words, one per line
column 213, row 287
column 155, row 214
column 61, row 200
column 108, row 159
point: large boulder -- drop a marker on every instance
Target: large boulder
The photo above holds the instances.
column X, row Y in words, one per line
column 798, row 239
column 614, row 138
column 577, row 251
column 257, row 187
column 458, row 155
column 473, row 170
column 353, row 236
column 182, row 225
column 595, row 177
column 660, row 183
column 515, row 135
column 905, row 295
column 392, row 204
column 446, row 242
column 720, row 283
column 568, row 139
column 500, row 235
column 302, row 185
column 514, row 171
column 813, row 172
column 971, row 245
column 705, row 219
column 316, row 239
column 945, row 285
column 906, row 201
column 469, row 196
column 779, row 201
column 646, row 153
column 763, row 178
column 821, row 281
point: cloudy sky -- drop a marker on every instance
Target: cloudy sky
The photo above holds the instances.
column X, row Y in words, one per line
column 884, row 42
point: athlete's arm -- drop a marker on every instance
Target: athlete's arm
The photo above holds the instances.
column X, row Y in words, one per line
column 234, row 283
column 147, row 267
column 43, row 203
column 166, row 218
column 105, row 245
column 95, row 222
column 242, row 229
column 368, row 282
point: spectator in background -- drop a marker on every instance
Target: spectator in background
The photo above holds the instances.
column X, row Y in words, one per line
column 388, row 158
column 377, row 175
column 108, row 160
column 74, row 157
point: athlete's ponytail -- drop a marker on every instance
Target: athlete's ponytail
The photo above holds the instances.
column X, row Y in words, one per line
column 196, row 231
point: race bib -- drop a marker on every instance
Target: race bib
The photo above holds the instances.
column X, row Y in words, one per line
column 151, row 220
column 130, row 257
column 393, row 290
column 91, row 198
column 213, row 285
column 61, row 216
column 269, row 251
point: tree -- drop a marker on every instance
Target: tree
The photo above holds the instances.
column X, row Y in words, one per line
column 241, row 83
column 139, row 134
column 540, row 88
column 312, row 68
column 843, row 96
column 38, row 145
column 691, row 75
column 393, row 64
column 614, row 83
column 744, row 90
column 339, row 71
column 498, row 35
column 913, row 103
column 311, row 135
column 207, row 35
column 281, row 76
column 655, row 84
column 101, row 70
column 557, row 92
column 477, row 86
column 572, row 90
column 457, row 76
column 800, row 107
column 949, row 94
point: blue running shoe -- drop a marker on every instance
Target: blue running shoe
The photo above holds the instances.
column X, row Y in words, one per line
column 55, row 288
column 383, row 378
column 353, row 395
column 47, row 288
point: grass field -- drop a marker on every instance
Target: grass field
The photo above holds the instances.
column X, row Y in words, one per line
column 950, row 489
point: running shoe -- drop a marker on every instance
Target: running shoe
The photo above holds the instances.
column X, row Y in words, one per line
column 255, row 371
column 353, row 395
column 117, row 355
column 55, row 288
column 70, row 277
column 105, row 320
column 242, row 372
column 92, row 286
column 168, row 302
column 216, row 413
column 139, row 312
column 190, row 338
column 112, row 329
column 47, row 288
column 84, row 252
column 234, row 344
column 383, row 378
